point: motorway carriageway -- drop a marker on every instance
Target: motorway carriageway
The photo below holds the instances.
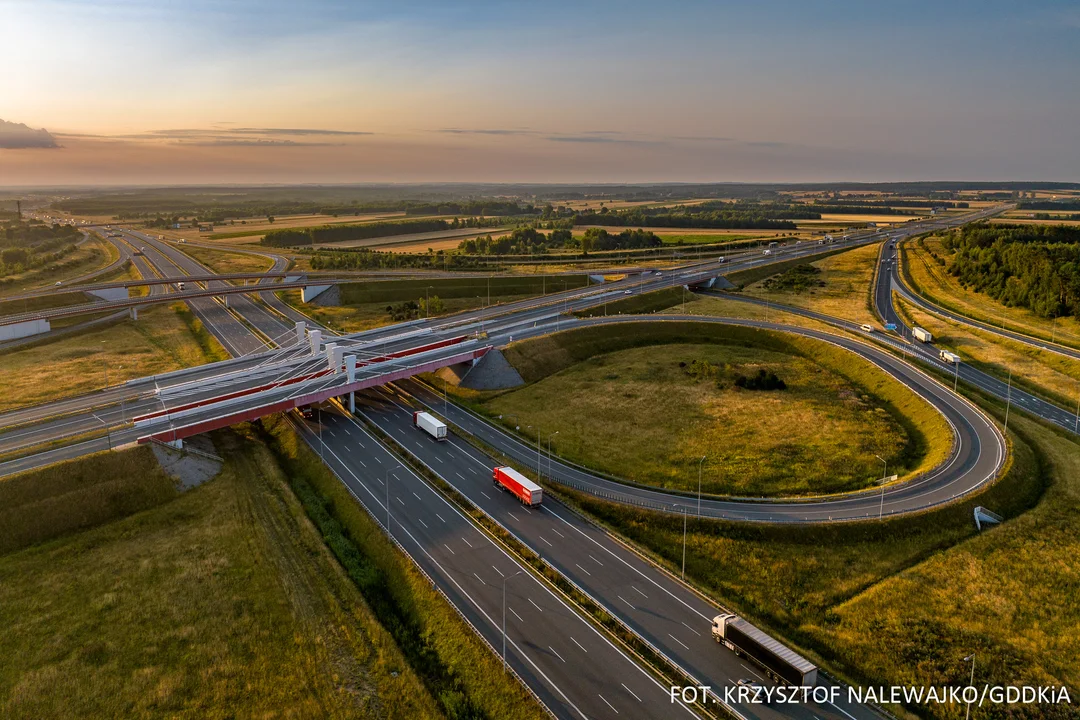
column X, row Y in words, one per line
column 888, row 280
column 575, row 670
column 661, row 610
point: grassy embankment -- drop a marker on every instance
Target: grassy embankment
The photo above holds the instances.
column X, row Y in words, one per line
column 223, row 598
column 224, row 262
column 847, row 277
column 745, row 278
column 1049, row 375
column 639, row 415
column 903, row 601
column 363, row 304
column 164, row 338
column 922, row 263
column 92, row 254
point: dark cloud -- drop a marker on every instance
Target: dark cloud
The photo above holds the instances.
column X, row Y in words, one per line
column 491, row 131
column 294, row 131
column 250, row 142
column 16, row 136
column 599, row 139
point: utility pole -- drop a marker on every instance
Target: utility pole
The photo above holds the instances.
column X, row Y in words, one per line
column 700, row 465
column 971, row 682
column 388, row 532
column 1008, row 403
column 683, row 542
column 884, row 474
column 956, row 374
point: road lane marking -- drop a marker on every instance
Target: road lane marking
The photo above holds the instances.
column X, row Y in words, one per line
column 583, row 570
column 422, row 522
column 545, row 540
column 512, row 515
column 639, row 592
column 626, row 601
column 466, row 542
column 535, row 605
column 607, row 703
column 691, row 629
column 439, row 516
column 579, row 644
column 449, row 548
column 596, row 561
column 399, row 500
column 556, row 653
column 515, row 614
column 630, row 691
column 498, row 571
column 479, row 578
column 558, row 533
column 460, row 475
column 417, row 497
column 485, row 494
column 678, row 641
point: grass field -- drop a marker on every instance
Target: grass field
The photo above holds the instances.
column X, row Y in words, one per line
column 92, row 254
column 848, row 277
column 639, row 414
column 223, row 601
column 640, row 303
column 744, row 278
column 225, row 262
column 164, row 338
column 931, row 280
column 704, row 238
column 903, row 601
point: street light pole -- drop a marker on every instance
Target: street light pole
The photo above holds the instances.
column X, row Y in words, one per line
column 504, row 617
column 549, row 451
column 700, row 465
column 388, row 532
column 1008, row 403
column 683, row 542
column 884, row 474
column 321, row 446
column 971, row 682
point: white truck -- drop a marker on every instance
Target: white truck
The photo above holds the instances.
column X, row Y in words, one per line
column 922, row 335
column 430, row 424
column 948, row 357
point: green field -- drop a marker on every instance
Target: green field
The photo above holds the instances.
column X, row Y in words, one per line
column 903, row 601
column 639, row 303
column 744, row 278
column 647, row 408
column 703, row 238
column 221, row 599
column 224, row 262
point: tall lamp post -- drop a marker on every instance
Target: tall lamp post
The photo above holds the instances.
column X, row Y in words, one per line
column 504, row 616
column 971, row 682
column 884, row 474
column 683, row 541
column 549, row 450
column 700, row 465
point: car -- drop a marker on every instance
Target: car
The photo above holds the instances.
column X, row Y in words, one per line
column 659, row 274
column 628, row 292
column 756, row 688
column 58, row 282
column 866, row 328
column 306, row 412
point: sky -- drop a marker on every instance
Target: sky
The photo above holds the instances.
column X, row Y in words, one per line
column 237, row 91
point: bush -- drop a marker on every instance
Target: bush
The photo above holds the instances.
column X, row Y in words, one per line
column 762, row 381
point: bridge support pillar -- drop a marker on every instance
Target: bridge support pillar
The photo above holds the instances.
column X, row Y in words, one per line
column 333, row 357
column 133, row 312
column 352, row 403
column 301, row 330
column 315, row 337
column 178, row 443
column 225, row 299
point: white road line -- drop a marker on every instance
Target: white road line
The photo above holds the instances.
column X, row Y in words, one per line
column 449, row 548
column 466, row 542
column 440, row 517
column 607, row 703
column 331, row 432
column 513, row 516
column 578, row 644
column 485, row 494
column 583, row 570
column 400, row 500
column 743, row 666
column 545, row 540
column 361, row 462
column 557, row 533
column 535, row 605
column 678, row 641
column 515, row 614
column 639, row 592
column 460, row 475
column 422, row 522
column 556, row 653
column 630, row 691
column 498, row 571
column 843, row 710
column 596, row 561
column 691, row 629
column 480, row 579
column 626, row 601
column 417, row 497
column 346, row 431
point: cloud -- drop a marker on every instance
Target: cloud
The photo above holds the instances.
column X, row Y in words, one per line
column 602, row 138
column 16, row 136
column 294, row 131
column 491, row 131
column 250, row 142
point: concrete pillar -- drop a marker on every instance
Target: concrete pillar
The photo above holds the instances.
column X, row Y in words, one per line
column 352, row 403
column 350, row 368
column 337, row 357
column 331, row 350
column 315, row 337
column 301, row 329
column 178, row 443
column 133, row 312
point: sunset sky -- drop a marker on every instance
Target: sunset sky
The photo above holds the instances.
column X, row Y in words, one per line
column 139, row 91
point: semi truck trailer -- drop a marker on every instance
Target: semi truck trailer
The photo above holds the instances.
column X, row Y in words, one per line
column 922, row 335
column 951, row 358
column 779, row 662
column 521, row 487
column 430, row 424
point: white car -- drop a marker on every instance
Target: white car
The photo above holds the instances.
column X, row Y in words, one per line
column 866, row 328
column 628, row 292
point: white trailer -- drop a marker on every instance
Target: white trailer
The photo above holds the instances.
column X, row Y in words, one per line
column 948, row 357
column 922, row 335
column 430, row 424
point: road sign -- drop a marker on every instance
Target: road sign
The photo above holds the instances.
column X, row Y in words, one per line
column 890, row 326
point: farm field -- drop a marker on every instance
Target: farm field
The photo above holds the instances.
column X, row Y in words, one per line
column 846, row 278
column 649, row 412
column 930, row 279
column 166, row 337
column 222, row 597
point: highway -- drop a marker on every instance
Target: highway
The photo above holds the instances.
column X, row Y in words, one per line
column 671, row 617
column 575, row 670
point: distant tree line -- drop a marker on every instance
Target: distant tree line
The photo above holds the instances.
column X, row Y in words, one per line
column 708, row 215
column 28, row 245
column 531, row 241
column 291, row 237
column 367, row 259
column 1049, row 205
column 1034, row 267
column 849, row 202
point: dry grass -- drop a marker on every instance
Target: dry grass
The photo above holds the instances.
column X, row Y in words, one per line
column 224, row 600
column 224, row 262
column 932, row 281
column 90, row 255
column 847, row 277
column 158, row 342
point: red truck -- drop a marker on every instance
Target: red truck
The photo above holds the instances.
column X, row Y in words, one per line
column 521, row 487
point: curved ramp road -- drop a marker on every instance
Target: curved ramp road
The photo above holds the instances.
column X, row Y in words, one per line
column 977, row 457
